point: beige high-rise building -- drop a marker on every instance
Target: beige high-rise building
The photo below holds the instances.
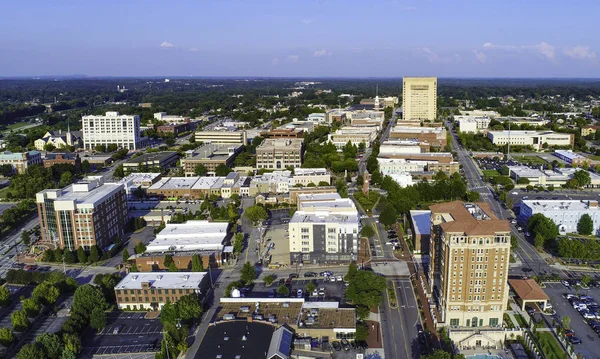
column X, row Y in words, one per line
column 419, row 98
column 470, row 251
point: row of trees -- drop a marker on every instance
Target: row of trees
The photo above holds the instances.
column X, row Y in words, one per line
column 71, row 257
column 177, row 319
column 587, row 248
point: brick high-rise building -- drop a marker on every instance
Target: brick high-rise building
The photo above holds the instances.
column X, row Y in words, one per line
column 82, row 214
column 470, row 251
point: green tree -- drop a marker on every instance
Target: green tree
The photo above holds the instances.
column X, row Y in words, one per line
column 4, row 296
column 94, row 254
column 7, row 337
column 256, row 214
column 86, row 298
column 248, row 273
column 367, row 231
column 19, row 320
column 65, row 179
column 69, row 257
column 437, row 354
column 362, row 332
column 197, row 265
column 85, row 166
column 473, row 196
column 45, row 293
column 540, row 224
column 585, row 280
column 139, row 248
column 566, row 321
column 269, row 279
column 200, row 170
column 173, row 267
column 72, row 343
column 188, row 308
column 81, row 255
column 238, row 244
column 31, row 307
column 310, row 287
column 51, row 345
column 25, row 238
column 352, row 270
column 582, row 177
column 125, row 255
column 168, row 260
column 365, row 289
column 585, row 226
column 98, row 319
column 514, row 242
column 283, row 290
column 119, row 172
column 538, row 241
column 222, row 170
column 31, row 351
column 388, row 216
column 67, row 354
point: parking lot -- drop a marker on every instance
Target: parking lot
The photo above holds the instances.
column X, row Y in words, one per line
column 276, row 245
column 126, row 332
column 332, row 290
column 590, row 340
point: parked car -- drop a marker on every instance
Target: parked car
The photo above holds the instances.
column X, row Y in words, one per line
column 310, row 274
column 574, row 340
column 299, row 293
column 345, row 344
column 293, row 275
column 315, row 292
column 272, row 293
column 321, row 292
column 340, row 278
column 566, row 284
column 336, row 346
column 569, row 333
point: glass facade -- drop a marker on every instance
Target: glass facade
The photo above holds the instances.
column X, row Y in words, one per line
column 66, row 226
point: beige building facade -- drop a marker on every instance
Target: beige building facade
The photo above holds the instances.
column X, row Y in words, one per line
column 419, row 97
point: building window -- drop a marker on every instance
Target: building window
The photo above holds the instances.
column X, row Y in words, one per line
column 454, row 322
column 493, row 322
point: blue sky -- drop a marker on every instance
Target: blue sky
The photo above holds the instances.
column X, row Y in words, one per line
column 376, row 38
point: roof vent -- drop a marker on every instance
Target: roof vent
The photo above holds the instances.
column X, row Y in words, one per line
column 159, row 277
column 186, row 277
column 135, row 277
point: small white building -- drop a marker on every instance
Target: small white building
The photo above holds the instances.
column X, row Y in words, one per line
column 190, row 236
column 403, row 179
column 535, row 139
column 472, row 124
column 565, row 214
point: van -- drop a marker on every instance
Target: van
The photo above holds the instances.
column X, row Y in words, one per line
column 245, row 309
column 228, row 316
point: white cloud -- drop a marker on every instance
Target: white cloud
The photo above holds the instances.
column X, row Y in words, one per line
column 489, row 45
column 435, row 58
column 480, row 57
column 275, row 61
column 293, row 58
column 545, row 50
column 321, row 53
column 580, row 52
column 166, row 45
column 194, row 49
column 307, row 21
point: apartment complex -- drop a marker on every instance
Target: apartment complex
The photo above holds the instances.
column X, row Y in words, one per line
column 535, row 139
column 419, row 99
column 435, row 136
column 82, row 214
column 564, row 213
column 470, row 251
column 20, row 160
column 472, row 124
column 211, row 156
column 324, row 231
column 151, row 290
column 279, row 153
column 112, row 128
column 224, row 136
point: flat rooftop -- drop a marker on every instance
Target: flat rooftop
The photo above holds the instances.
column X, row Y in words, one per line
column 320, row 218
column 162, row 280
column 570, row 154
column 190, row 236
column 81, row 193
column 328, row 318
column 207, row 182
column 526, row 133
column 226, row 340
column 282, row 143
column 411, row 129
column 152, row 157
column 284, row 310
column 328, row 206
column 318, row 197
column 310, row 171
column 421, row 221
column 173, row 183
column 472, row 219
column 139, row 177
column 561, row 205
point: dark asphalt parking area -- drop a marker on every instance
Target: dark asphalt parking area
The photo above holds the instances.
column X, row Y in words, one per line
column 126, row 332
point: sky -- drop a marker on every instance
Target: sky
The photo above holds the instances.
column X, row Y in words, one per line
column 301, row 38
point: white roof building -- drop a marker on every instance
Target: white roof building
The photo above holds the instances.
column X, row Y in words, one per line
column 162, row 280
column 564, row 213
column 190, row 236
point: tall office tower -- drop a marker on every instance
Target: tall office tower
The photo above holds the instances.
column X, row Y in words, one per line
column 122, row 130
column 470, row 250
column 82, row 214
column 419, row 98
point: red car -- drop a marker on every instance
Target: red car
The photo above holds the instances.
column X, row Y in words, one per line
column 569, row 333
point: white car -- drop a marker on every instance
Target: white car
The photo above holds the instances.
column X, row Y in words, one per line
column 321, row 292
column 566, row 284
column 315, row 293
column 299, row 294
column 340, row 278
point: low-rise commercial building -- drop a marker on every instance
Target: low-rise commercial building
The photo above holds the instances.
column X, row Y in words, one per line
column 555, row 178
column 211, row 156
column 306, row 176
column 280, row 153
column 284, row 133
column 337, row 115
column 472, row 124
column 324, row 232
column 297, row 192
column 367, row 118
column 52, row 159
column 162, row 116
column 528, row 121
column 152, row 290
column 20, row 160
column 435, row 136
column 390, row 166
column 83, row 214
column 225, row 136
column 140, row 180
column 154, row 161
column 572, row 158
column 420, row 224
column 174, row 128
column 391, row 148
column 564, row 213
column 356, row 136
column 317, row 118
column 535, row 139
column 193, row 188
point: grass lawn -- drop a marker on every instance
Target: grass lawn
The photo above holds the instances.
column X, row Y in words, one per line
column 522, row 322
column 530, row 159
column 593, row 157
column 3, row 192
column 490, row 173
column 14, row 126
column 550, row 346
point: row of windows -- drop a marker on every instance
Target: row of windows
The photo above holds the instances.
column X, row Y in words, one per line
column 151, row 291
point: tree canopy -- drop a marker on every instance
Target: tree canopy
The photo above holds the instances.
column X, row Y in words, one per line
column 585, row 225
